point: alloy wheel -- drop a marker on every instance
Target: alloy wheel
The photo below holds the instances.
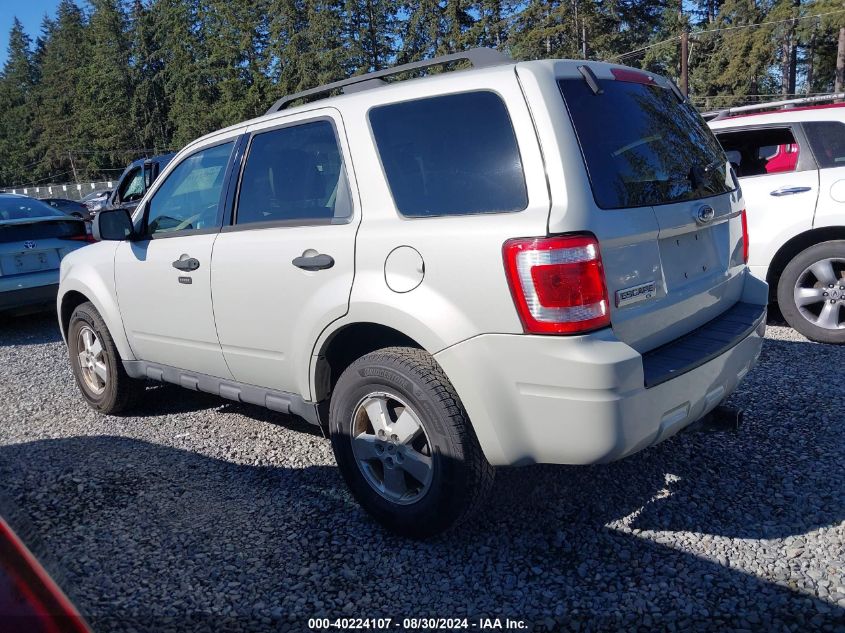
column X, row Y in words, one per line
column 391, row 448
column 92, row 362
column 819, row 293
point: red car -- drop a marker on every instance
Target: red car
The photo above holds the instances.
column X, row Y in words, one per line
column 30, row 601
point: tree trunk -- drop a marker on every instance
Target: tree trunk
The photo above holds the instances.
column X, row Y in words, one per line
column 811, row 60
column 793, row 66
column 840, row 62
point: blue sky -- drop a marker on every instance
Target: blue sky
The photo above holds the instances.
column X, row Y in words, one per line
column 30, row 12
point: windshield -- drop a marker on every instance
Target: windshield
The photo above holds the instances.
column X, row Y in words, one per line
column 642, row 146
column 133, row 186
column 21, row 208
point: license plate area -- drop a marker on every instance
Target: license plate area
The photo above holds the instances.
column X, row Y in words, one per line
column 21, row 263
column 689, row 257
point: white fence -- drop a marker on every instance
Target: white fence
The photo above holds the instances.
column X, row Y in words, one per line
column 72, row 191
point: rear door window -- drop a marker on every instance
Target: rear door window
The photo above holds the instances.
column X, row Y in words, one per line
column 642, row 146
column 761, row 151
column 450, row 155
column 294, row 175
column 827, row 138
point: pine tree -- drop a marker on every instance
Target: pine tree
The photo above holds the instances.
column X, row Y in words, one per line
column 58, row 94
column 17, row 82
column 457, row 27
column 186, row 79
column 422, row 31
column 103, row 109
column 148, row 109
column 288, row 43
column 491, row 28
column 236, row 37
column 370, row 34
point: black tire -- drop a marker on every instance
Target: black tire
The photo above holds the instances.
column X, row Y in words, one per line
column 120, row 392
column 834, row 249
column 460, row 476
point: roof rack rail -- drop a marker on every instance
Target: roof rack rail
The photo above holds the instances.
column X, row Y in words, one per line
column 715, row 115
column 477, row 57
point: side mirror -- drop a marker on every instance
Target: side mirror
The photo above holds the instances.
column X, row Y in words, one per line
column 113, row 225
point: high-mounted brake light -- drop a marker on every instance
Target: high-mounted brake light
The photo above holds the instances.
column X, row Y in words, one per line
column 744, row 236
column 557, row 284
column 632, row 76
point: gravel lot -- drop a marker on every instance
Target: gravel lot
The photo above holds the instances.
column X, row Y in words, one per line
column 199, row 513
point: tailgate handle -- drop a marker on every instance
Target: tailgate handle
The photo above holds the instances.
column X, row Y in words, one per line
column 788, row 191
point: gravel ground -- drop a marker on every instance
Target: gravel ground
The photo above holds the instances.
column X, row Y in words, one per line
column 199, row 513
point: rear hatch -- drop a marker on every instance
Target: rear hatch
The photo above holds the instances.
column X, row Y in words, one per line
column 30, row 245
column 667, row 206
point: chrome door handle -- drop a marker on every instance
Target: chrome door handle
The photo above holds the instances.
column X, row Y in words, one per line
column 788, row 191
column 186, row 263
column 313, row 262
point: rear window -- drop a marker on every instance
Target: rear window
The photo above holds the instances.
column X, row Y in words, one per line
column 642, row 146
column 22, row 208
column 827, row 138
column 450, row 155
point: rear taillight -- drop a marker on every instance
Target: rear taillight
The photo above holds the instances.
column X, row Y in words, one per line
column 88, row 236
column 744, row 237
column 557, row 284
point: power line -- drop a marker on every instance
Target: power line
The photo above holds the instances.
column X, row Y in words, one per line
column 644, row 48
column 746, row 26
column 725, row 28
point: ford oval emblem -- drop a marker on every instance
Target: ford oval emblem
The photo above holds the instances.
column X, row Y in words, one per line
column 705, row 214
column 29, row 244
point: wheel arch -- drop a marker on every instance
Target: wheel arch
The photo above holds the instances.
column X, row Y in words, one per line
column 69, row 302
column 74, row 293
column 345, row 345
column 793, row 247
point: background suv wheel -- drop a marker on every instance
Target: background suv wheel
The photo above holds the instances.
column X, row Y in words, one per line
column 96, row 364
column 811, row 292
column 404, row 444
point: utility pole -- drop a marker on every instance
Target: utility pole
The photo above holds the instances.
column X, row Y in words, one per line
column 73, row 167
column 840, row 62
column 583, row 40
column 682, row 20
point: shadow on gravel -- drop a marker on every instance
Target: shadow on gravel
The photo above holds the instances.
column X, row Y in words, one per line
column 153, row 538
column 29, row 329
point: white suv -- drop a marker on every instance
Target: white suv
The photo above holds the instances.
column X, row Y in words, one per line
column 518, row 263
column 791, row 165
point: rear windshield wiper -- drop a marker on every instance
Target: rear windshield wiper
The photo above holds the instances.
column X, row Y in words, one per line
column 698, row 173
column 591, row 79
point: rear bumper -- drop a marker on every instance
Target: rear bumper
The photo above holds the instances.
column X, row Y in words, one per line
column 584, row 400
column 27, row 296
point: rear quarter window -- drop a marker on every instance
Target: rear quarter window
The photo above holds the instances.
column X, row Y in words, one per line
column 642, row 146
column 450, row 155
column 827, row 138
column 761, row 151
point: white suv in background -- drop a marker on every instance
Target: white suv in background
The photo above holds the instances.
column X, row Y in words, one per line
column 513, row 264
column 790, row 160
